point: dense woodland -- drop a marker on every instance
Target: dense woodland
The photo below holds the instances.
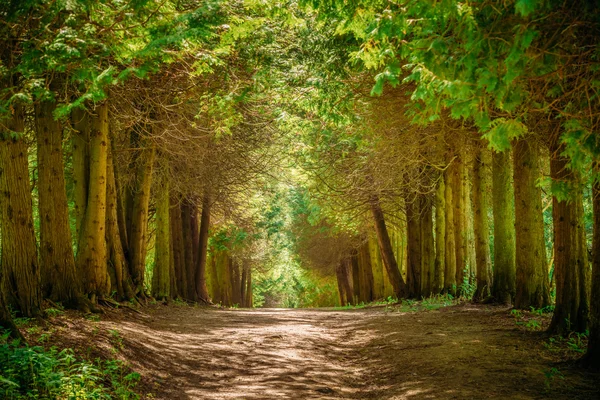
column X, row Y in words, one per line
column 180, row 149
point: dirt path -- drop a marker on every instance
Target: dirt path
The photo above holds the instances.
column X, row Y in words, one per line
column 460, row 352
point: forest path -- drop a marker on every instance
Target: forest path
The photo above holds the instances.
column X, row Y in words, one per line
column 459, row 352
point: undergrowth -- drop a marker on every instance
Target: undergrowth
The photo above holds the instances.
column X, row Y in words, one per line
column 32, row 372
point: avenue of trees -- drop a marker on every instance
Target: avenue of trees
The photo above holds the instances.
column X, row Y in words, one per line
column 146, row 148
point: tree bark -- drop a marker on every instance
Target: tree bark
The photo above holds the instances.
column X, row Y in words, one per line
column 249, row 298
column 414, row 260
column 21, row 273
column 187, row 210
column 504, row 279
column 355, row 277
column 343, row 284
column 80, row 160
column 366, row 274
column 161, row 277
column 117, row 262
column 215, row 283
column 450, row 243
column 592, row 357
column 178, row 247
column 91, row 256
column 387, row 252
column 243, row 285
column 138, row 233
column 481, row 187
column 427, row 248
column 532, row 277
column 440, row 236
column 460, row 230
column 201, row 289
column 570, row 252
column 57, row 261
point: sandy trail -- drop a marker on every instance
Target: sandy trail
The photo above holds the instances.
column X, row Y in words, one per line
column 461, row 352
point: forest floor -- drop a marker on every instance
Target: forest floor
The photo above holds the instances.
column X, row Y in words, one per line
column 462, row 351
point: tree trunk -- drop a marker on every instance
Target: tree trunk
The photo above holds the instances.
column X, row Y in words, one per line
column 215, row 283
column 450, row 243
column 201, row 289
column 343, row 284
column 592, row 358
column 19, row 260
column 481, row 186
column 81, row 168
column 366, row 274
column 532, row 276
column 235, row 283
column 138, row 234
column 91, row 256
column 249, row 298
column 161, row 277
column 427, row 248
column 571, row 307
column 440, row 236
column 243, row 286
column 117, row 263
column 355, row 277
column 458, row 202
column 180, row 272
column 57, row 261
column 387, row 252
column 504, row 229
column 187, row 210
column 414, row 261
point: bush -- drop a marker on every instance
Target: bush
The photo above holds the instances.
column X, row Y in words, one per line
column 35, row 373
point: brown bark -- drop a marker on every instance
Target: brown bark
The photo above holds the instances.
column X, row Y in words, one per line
column 440, row 237
column 138, row 233
column 117, row 263
column 57, row 261
column 450, row 243
column 91, row 256
column 235, row 283
column 427, row 248
column 178, row 247
column 481, row 187
column 215, row 284
column 201, row 289
column 532, row 277
column 504, row 279
column 592, row 358
column 344, row 288
column 387, row 252
column 355, row 268
column 249, row 298
column 460, row 228
column 161, row 277
column 570, row 253
column 243, row 286
column 80, row 160
column 414, row 260
column 21, row 273
column 366, row 268
column 187, row 211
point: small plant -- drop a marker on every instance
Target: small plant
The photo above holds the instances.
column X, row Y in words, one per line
column 93, row 317
column 53, row 312
column 551, row 375
column 577, row 342
column 116, row 340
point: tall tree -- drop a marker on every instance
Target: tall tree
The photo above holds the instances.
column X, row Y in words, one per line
column 592, row 358
column 92, row 253
column 504, row 228
column 532, row 286
column 440, row 235
column 201, row 289
column 57, row 261
column 21, row 273
column 387, row 252
column 481, row 186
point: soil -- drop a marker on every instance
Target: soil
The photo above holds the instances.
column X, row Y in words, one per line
column 458, row 352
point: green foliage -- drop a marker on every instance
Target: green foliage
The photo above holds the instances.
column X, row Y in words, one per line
column 35, row 373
